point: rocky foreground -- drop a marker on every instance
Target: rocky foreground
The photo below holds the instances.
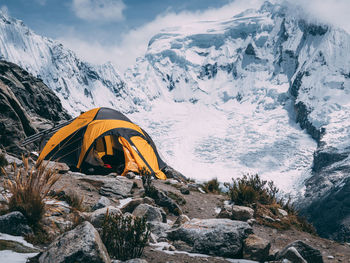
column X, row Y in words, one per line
column 186, row 224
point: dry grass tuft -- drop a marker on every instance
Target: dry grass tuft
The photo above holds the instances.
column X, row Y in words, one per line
column 251, row 190
column 29, row 189
column 212, row 186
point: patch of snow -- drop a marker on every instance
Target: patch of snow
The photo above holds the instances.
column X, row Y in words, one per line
column 9, row 256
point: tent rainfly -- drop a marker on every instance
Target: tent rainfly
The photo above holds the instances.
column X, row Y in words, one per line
column 105, row 139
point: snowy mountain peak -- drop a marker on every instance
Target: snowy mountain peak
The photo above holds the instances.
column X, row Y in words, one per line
column 79, row 85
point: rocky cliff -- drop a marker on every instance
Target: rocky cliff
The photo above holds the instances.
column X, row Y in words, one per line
column 27, row 105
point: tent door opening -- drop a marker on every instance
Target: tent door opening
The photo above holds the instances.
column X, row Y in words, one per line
column 106, row 156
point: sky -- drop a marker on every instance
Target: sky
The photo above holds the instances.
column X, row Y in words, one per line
column 119, row 30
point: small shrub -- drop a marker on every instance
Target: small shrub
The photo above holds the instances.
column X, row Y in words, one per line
column 125, row 237
column 212, row 186
column 251, row 189
column 29, row 191
column 147, row 182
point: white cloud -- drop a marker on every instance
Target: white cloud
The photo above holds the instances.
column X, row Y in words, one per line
column 335, row 12
column 99, row 10
column 134, row 43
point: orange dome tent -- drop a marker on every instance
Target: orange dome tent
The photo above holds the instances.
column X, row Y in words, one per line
column 107, row 135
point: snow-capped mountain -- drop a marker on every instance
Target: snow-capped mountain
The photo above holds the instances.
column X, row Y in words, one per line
column 235, row 90
column 266, row 91
column 79, row 85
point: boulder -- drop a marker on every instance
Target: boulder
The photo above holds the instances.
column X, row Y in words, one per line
column 97, row 217
column 172, row 173
column 163, row 200
column 14, row 223
column 307, row 252
column 58, row 222
column 101, row 203
column 236, row 212
column 151, row 213
column 130, row 206
column 242, row 213
column 82, row 244
column 118, row 187
column 219, row 237
column 292, row 255
column 12, row 159
column 61, row 168
column 159, row 229
column 256, row 248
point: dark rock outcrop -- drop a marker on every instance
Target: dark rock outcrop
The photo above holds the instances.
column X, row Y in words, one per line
column 307, row 252
column 14, row 223
column 27, row 105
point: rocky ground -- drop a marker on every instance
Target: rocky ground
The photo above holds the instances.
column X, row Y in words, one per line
column 187, row 225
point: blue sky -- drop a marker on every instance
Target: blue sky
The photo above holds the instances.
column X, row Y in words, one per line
column 119, row 30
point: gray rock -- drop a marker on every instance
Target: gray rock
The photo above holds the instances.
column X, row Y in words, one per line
column 82, row 244
column 59, row 222
column 151, row 213
column 292, row 255
column 184, row 190
column 163, row 200
column 256, row 248
column 220, row 237
column 306, row 251
column 97, row 217
column 118, row 187
column 159, row 229
column 130, row 175
column 101, row 203
column 129, row 207
column 14, row 223
column 12, row 159
column 172, row 173
column 61, row 168
column 242, row 213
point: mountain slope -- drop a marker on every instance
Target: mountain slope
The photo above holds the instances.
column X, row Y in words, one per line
column 79, row 85
column 27, row 105
column 266, row 91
